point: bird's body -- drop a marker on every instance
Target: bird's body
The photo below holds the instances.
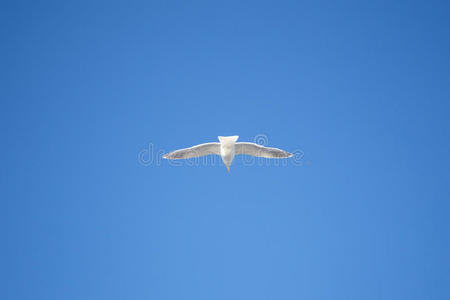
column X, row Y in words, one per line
column 227, row 149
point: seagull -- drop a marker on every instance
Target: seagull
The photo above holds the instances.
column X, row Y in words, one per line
column 227, row 149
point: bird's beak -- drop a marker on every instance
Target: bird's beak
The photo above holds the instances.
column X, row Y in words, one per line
column 228, row 169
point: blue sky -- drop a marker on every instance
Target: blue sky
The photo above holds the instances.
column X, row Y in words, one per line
column 361, row 88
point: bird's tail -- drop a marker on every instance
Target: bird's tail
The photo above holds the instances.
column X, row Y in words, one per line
column 228, row 139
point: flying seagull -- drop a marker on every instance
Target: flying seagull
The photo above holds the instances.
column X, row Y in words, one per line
column 227, row 149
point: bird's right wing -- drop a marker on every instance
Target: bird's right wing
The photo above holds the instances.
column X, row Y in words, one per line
column 260, row 151
column 196, row 151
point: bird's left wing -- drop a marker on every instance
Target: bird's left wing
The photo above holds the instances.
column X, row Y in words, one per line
column 260, row 151
column 196, row 151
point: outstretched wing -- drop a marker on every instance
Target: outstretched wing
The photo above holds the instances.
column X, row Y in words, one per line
column 260, row 151
column 196, row 151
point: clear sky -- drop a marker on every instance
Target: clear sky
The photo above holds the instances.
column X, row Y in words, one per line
column 361, row 88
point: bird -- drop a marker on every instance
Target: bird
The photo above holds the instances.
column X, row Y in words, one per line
column 227, row 148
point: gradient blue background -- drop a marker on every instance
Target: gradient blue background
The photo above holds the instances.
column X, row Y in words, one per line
column 363, row 89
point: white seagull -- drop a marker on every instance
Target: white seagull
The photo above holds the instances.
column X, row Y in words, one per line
column 227, row 149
